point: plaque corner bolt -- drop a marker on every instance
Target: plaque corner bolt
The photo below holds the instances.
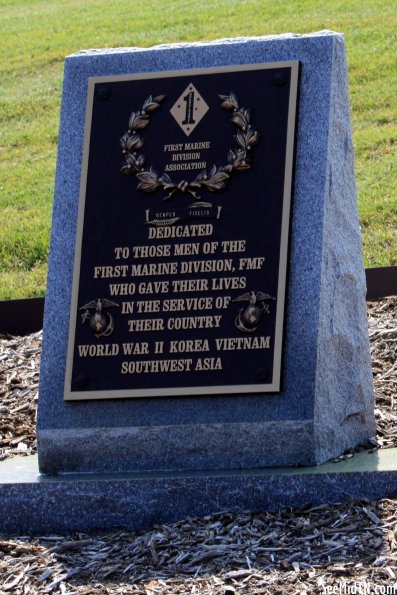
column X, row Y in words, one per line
column 81, row 381
column 280, row 78
column 104, row 93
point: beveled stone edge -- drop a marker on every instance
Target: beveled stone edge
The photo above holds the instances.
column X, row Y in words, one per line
column 25, row 469
column 182, row 447
column 206, row 43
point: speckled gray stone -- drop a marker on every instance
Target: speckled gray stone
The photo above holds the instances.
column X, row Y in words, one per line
column 31, row 503
column 326, row 404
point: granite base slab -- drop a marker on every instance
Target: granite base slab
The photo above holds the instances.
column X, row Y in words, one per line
column 38, row 504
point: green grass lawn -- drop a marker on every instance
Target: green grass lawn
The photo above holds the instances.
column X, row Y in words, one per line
column 36, row 35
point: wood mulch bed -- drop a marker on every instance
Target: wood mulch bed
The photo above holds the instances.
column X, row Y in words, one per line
column 341, row 548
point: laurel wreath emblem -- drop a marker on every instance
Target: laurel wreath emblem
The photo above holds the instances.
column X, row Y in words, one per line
column 214, row 180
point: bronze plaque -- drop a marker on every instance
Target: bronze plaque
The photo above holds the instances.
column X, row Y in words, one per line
column 182, row 239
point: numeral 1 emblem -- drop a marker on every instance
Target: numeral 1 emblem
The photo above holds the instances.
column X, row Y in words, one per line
column 189, row 100
column 189, row 109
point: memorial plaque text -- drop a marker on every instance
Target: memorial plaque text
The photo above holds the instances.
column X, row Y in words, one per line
column 182, row 239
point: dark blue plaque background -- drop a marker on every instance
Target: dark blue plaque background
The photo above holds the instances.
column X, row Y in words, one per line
column 114, row 216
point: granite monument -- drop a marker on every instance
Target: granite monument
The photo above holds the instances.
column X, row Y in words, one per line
column 182, row 330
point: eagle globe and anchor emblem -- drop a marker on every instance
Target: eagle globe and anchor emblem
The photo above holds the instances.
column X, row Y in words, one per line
column 100, row 322
column 249, row 318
